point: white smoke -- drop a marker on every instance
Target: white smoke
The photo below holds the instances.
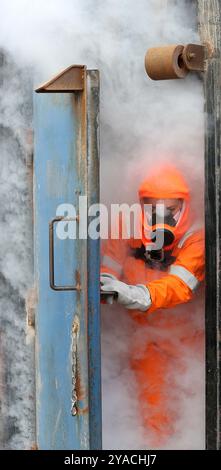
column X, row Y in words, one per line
column 142, row 122
column 184, row 381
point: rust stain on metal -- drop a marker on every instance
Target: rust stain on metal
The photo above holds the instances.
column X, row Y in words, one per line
column 194, row 56
column 80, row 110
column 69, row 80
column 78, row 280
column 82, row 411
column 78, row 392
column 79, row 386
column 34, row 447
column 31, row 301
column 74, row 364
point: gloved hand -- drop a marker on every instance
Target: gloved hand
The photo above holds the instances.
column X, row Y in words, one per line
column 109, row 297
column 132, row 297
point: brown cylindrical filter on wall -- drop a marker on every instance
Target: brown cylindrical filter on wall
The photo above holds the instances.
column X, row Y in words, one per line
column 166, row 62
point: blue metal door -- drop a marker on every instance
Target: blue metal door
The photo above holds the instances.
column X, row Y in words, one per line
column 66, row 172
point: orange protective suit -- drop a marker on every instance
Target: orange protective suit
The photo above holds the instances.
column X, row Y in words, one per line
column 169, row 286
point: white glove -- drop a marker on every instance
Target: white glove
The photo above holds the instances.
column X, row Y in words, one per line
column 109, row 299
column 132, row 297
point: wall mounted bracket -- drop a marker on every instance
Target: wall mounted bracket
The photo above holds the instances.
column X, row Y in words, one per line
column 176, row 61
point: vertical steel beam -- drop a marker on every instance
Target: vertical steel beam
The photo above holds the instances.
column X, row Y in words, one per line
column 209, row 17
column 94, row 264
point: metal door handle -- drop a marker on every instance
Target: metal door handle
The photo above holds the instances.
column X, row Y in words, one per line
column 51, row 255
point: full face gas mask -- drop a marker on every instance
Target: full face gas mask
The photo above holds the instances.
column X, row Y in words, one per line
column 163, row 228
column 159, row 228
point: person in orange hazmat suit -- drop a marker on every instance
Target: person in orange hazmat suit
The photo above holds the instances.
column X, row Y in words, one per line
column 149, row 282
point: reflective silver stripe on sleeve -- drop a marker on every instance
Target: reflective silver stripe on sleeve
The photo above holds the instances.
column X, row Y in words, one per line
column 186, row 276
column 195, row 228
column 112, row 264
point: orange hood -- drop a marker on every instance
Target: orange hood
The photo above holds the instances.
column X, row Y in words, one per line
column 167, row 182
column 163, row 183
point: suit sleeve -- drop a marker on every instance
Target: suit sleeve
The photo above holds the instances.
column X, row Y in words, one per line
column 183, row 278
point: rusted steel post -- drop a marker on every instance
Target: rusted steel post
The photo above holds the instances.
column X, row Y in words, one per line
column 93, row 272
column 209, row 20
